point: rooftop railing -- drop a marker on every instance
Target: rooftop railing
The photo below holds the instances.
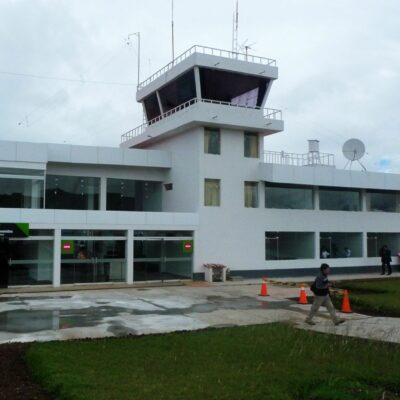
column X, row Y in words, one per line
column 211, row 51
column 299, row 160
column 269, row 113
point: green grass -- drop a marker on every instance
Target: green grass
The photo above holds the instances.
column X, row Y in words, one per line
column 274, row 362
column 379, row 297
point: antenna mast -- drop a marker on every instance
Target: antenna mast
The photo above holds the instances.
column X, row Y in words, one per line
column 137, row 34
column 235, row 44
column 172, row 31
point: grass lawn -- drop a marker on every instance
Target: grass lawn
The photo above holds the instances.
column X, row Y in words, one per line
column 273, row 362
column 379, row 297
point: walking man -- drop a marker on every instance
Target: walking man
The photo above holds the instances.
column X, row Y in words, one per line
column 386, row 259
column 320, row 288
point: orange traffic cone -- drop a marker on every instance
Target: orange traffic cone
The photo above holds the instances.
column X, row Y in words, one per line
column 303, row 295
column 264, row 289
column 346, row 302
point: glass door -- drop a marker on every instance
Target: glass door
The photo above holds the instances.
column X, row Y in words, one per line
column 148, row 259
column 92, row 260
column 162, row 258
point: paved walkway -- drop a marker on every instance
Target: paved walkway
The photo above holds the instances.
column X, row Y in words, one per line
column 119, row 312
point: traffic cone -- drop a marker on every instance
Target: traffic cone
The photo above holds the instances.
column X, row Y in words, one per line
column 346, row 302
column 303, row 295
column 264, row 289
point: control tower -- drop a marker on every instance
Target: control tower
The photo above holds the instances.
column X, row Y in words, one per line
column 210, row 88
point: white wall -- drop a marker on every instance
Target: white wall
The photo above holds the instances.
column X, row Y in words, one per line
column 119, row 172
column 184, row 173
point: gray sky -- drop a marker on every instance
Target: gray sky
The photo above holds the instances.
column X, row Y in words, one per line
column 339, row 66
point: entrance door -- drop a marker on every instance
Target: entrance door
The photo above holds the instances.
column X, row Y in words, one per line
column 162, row 259
column 92, row 260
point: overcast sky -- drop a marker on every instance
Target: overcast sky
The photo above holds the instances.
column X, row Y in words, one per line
column 339, row 67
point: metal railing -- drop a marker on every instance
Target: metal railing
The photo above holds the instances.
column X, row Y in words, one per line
column 269, row 113
column 299, row 160
column 210, row 51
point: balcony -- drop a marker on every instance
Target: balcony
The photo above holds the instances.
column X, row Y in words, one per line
column 299, row 160
column 262, row 118
column 208, row 51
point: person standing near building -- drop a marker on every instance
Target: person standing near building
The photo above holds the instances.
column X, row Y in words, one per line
column 320, row 288
column 386, row 259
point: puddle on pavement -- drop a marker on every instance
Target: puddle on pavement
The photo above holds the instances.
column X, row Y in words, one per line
column 19, row 300
column 28, row 321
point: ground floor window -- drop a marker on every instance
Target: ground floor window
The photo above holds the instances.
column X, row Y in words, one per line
column 340, row 244
column 289, row 245
column 376, row 240
column 31, row 261
column 162, row 257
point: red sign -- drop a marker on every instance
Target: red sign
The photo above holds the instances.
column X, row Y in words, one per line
column 67, row 246
column 187, row 246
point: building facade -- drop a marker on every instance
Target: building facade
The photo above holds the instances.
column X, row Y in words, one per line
column 190, row 186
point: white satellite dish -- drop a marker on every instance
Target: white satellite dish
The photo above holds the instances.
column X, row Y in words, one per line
column 353, row 150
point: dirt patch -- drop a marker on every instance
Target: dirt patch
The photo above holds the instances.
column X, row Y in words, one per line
column 15, row 380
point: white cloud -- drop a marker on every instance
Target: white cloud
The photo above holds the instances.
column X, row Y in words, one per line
column 338, row 61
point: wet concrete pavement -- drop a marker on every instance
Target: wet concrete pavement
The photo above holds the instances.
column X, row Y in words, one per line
column 120, row 312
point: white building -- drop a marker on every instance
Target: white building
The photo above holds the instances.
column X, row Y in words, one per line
column 192, row 186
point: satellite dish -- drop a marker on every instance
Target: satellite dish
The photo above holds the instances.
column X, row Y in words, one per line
column 353, row 150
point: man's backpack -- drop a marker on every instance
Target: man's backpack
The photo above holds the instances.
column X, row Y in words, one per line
column 313, row 287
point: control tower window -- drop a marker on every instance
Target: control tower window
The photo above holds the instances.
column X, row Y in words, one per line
column 238, row 89
column 178, row 91
column 251, row 145
column 152, row 107
column 212, row 141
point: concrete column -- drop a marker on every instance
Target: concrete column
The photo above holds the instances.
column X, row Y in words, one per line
column 57, row 258
column 316, row 197
column 266, row 94
column 363, row 200
column 364, row 245
column 261, row 195
column 317, row 250
column 103, row 193
column 159, row 102
column 145, row 119
column 197, row 82
column 129, row 256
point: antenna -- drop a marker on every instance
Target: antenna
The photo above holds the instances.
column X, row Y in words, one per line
column 353, row 150
column 128, row 43
column 246, row 47
column 172, row 31
column 235, row 31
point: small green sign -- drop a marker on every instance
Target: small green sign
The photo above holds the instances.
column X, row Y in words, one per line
column 187, row 246
column 67, row 247
column 17, row 230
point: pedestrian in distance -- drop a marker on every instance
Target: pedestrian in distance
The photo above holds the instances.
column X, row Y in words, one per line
column 320, row 288
column 386, row 259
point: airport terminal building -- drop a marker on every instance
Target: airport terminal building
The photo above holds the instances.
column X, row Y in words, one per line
column 190, row 186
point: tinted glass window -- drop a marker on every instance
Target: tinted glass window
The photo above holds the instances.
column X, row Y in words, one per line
column 339, row 200
column 72, row 192
column 291, row 197
column 21, row 193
